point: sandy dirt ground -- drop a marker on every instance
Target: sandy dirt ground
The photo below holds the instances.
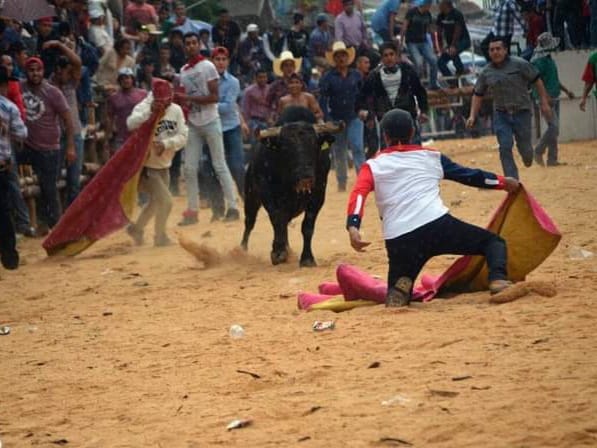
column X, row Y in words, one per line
column 128, row 346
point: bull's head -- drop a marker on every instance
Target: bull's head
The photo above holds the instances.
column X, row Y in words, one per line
column 299, row 145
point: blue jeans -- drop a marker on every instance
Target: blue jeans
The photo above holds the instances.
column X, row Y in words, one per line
column 423, row 51
column 21, row 211
column 73, row 171
column 46, row 165
column 507, row 127
column 442, row 62
column 235, row 157
column 549, row 139
column 8, row 242
column 351, row 136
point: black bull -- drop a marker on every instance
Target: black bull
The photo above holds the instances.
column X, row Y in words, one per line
column 288, row 176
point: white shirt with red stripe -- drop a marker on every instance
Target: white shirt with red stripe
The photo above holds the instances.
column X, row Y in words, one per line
column 406, row 181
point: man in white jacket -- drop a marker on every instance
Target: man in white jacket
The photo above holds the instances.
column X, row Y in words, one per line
column 170, row 135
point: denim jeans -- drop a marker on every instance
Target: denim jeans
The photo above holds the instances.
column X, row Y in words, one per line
column 46, row 165
column 21, row 212
column 423, row 51
column 235, row 157
column 211, row 133
column 8, row 241
column 73, row 170
column 549, row 139
column 442, row 62
column 351, row 136
column 507, row 127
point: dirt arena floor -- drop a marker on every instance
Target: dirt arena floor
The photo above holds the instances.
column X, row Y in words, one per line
column 128, row 346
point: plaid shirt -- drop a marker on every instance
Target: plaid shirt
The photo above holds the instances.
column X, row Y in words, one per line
column 11, row 126
column 506, row 13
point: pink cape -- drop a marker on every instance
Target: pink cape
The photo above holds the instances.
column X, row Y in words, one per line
column 530, row 234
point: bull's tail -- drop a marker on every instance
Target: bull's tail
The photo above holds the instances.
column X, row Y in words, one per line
column 252, row 205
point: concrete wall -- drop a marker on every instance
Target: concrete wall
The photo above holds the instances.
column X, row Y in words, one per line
column 574, row 124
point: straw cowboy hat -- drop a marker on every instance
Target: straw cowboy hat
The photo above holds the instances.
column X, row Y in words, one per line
column 546, row 43
column 286, row 56
column 336, row 48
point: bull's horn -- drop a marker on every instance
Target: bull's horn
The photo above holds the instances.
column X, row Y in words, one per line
column 330, row 127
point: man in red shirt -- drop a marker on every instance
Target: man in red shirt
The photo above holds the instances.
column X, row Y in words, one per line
column 139, row 13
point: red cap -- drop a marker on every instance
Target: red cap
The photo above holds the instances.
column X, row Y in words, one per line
column 218, row 51
column 46, row 20
column 162, row 90
column 34, row 60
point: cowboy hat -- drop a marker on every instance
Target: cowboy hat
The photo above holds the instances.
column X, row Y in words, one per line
column 286, row 56
column 336, row 48
column 546, row 42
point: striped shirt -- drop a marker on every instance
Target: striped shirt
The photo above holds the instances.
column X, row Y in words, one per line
column 11, row 126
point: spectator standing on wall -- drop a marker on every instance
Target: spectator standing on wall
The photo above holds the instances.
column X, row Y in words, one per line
column 320, row 40
column 350, row 27
column 274, row 43
column 451, row 27
column 382, row 21
column 506, row 14
column 226, row 33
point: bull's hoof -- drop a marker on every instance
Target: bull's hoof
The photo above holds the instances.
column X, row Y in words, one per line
column 279, row 257
column 308, row 263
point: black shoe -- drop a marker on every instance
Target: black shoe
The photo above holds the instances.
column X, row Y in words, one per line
column 27, row 231
column 528, row 160
column 10, row 260
column 232, row 215
column 539, row 159
column 399, row 294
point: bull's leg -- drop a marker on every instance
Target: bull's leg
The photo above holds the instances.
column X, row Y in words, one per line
column 307, row 229
column 252, row 205
column 280, row 221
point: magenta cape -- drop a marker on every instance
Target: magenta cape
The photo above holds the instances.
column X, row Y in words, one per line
column 531, row 237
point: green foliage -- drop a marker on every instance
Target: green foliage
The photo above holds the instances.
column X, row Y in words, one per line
column 206, row 11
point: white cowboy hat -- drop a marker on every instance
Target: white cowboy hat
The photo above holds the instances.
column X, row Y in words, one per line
column 338, row 47
column 546, row 42
column 286, row 56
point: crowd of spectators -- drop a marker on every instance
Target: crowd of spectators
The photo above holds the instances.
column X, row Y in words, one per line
column 61, row 67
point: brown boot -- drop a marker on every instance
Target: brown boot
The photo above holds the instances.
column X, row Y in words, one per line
column 399, row 294
column 497, row 286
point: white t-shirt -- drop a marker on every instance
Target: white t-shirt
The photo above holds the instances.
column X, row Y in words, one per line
column 391, row 82
column 99, row 37
column 194, row 80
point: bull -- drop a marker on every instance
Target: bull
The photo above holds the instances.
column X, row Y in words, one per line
column 288, row 176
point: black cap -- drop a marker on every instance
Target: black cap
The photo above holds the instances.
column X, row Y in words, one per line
column 397, row 124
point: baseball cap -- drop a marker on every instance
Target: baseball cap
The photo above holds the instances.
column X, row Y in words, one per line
column 126, row 71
